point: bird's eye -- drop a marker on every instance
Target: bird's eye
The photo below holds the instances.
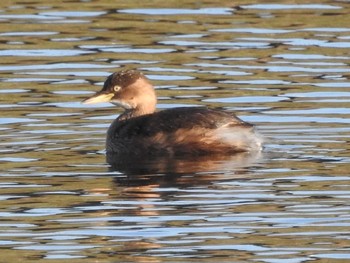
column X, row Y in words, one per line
column 116, row 88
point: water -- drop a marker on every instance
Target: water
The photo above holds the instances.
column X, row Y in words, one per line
column 284, row 67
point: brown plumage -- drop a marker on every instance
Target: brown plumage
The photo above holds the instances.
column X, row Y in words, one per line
column 173, row 132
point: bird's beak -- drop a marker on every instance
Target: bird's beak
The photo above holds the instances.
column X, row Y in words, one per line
column 99, row 97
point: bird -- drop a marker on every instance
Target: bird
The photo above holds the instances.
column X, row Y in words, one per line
column 141, row 130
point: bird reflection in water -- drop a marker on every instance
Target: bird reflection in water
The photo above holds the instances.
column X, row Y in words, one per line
column 155, row 188
column 165, row 171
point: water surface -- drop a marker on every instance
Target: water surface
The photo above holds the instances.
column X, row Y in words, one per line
column 284, row 67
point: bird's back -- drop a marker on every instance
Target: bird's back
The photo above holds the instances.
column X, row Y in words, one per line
column 179, row 131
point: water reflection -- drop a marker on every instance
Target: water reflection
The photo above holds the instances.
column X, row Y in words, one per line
column 187, row 165
column 178, row 11
column 289, row 7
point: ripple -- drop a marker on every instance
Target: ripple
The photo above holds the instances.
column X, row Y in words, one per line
column 43, row 52
column 176, row 105
column 336, row 44
column 319, row 94
column 215, row 44
column 7, row 91
column 63, row 256
column 169, row 77
column 76, row 104
column 332, row 84
column 42, row 33
column 189, row 36
column 282, row 68
column 159, row 69
column 17, row 120
column 71, row 92
column 327, row 29
column 286, row 6
column 55, row 66
column 30, row 80
column 308, row 56
column 227, row 73
column 56, row 247
column 211, row 65
column 71, row 39
column 126, row 49
column 68, row 73
column 17, row 159
column 178, row 11
column 140, row 50
column 134, row 61
column 312, row 111
column 23, row 16
column 16, row 185
column 253, row 30
column 257, row 82
column 11, row 243
column 296, row 119
column 302, row 42
column 344, row 256
column 72, row 13
column 247, row 99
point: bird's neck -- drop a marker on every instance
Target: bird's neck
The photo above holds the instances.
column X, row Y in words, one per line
column 136, row 112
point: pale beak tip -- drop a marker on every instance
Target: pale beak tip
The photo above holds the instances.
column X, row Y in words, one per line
column 86, row 101
column 98, row 98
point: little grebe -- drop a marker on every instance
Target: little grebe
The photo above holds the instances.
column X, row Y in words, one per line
column 140, row 130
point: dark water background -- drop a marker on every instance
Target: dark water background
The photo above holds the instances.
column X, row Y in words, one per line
column 281, row 65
